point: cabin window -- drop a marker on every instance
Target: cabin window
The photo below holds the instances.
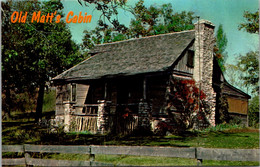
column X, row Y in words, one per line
column 73, row 92
column 190, row 58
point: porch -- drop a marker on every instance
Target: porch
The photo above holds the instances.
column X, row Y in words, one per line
column 105, row 117
column 127, row 104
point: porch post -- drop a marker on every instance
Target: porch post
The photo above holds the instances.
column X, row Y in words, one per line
column 101, row 120
column 143, row 115
column 66, row 116
column 144, row 110
column 144, row 88
column 105, row 91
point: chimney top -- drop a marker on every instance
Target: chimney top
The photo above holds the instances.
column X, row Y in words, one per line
column 205, row 22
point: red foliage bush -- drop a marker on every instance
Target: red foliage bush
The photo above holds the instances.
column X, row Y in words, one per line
column 188, row 101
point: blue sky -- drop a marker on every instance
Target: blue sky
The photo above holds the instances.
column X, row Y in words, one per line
column 229, row 13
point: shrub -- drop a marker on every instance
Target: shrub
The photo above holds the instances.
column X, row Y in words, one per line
column 186, row 104
column 222, row 127
column 254, row 112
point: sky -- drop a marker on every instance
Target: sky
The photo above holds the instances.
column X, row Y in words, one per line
column 229, row 13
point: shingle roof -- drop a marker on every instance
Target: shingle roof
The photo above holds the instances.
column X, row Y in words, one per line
column 131, row 57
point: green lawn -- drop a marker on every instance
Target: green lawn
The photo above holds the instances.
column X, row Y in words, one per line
column 241, row 138
column 148, row 161
column 22, row 132
column 14, row 132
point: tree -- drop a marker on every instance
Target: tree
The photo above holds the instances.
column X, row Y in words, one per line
column 221, row 44
column 251, row 24
column 158, row 20
column 34, row 52
column 14, row 59
column 249, row 65
column 108, row 9
column 233, row 75
column 254, row 111
column 147, row 21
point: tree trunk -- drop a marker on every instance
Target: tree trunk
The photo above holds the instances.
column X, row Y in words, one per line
column 38, row 115
column 8, row 104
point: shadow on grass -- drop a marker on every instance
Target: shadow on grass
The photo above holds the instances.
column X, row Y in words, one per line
column 29, row 132
column 32, row 133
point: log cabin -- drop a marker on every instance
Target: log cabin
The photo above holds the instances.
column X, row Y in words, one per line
column 131, row 77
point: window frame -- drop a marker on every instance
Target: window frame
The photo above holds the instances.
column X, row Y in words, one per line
column 73, row 92
column 190, row 58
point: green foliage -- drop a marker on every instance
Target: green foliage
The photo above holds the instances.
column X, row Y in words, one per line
column 221, row 44
column 249, row 65
column 80, row 133
column 251, row 24
column 108, row 9
column 233, row 76
column 253, row 112
column 49, row 101
column 22, row 102
column 104, row 32
column 223, row 110
column 158, row 20
column 33, row 52
column 235, row 121
column 147, row 21
column 222, row 127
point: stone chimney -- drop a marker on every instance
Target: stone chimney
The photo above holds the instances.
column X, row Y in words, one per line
column 203, row 63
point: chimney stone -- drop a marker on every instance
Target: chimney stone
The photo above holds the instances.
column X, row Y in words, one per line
column 203, row 63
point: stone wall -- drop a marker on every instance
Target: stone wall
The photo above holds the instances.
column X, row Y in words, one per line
column 101, row 119
column 203, row 63
column 144, row 111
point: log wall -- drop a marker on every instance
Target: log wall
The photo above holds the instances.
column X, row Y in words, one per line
column 237, row 105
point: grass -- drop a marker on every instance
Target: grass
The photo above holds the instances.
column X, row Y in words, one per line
column 148, row 161
column 241, row 138
column 229, row 163
column 145, row 160
column 229, row 137
column 31, row 133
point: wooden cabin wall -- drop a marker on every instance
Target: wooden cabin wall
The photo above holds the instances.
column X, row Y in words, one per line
column 183, row 63
column 62, row 94
column 81, row 94
column 239, row 106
